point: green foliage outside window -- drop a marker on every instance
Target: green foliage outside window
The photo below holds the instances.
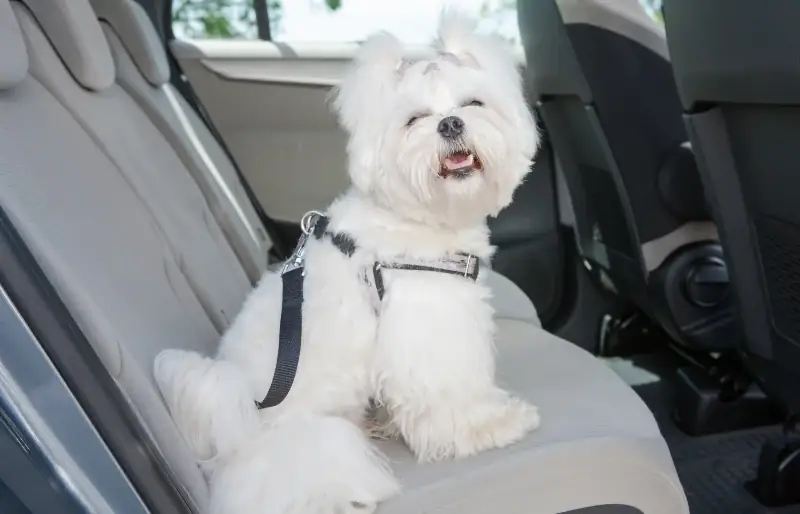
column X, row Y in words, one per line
column 227, row 19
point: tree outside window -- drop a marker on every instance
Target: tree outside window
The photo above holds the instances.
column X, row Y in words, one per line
column 264, row 19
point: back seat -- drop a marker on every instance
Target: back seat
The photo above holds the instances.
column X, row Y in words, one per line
column 97, row 240
column 142, row 70
column 121, row 227
column 114, row 120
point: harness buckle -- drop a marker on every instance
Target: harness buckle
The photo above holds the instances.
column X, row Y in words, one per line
column 298, row 257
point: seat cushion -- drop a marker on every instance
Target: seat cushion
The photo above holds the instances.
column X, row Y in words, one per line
column 598, row 443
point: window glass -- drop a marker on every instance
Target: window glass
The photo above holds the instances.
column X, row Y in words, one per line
column 653, row 8
column 414, row 21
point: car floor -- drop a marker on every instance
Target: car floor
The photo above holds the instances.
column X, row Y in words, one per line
column 714, row 468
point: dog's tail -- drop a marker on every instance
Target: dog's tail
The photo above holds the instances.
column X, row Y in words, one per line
column 208, row 400
column 303, row 465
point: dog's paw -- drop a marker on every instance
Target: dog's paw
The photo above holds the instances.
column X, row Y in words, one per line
column 381, row 431
column 510, row 423
column 377, row 424
column 380, row 428
column 461, row 432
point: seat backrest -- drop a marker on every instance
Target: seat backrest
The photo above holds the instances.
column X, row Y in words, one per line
column 69, row 54
column 600, row 72
column 143, row 71
column 96, row 239
column 737, row 66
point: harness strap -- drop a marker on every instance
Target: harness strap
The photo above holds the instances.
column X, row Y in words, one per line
column 291, row 330
column 345, row 243
column 291, row 324
column 292, row 277
column 465, row 265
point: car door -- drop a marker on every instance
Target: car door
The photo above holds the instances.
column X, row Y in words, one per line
column 267, row 99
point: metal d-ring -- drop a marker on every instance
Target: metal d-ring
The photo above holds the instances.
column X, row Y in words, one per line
column 307, row 221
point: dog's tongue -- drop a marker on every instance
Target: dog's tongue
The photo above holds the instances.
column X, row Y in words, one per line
column 458, row 160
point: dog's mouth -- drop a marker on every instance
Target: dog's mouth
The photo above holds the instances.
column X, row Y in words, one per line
column 460, row 165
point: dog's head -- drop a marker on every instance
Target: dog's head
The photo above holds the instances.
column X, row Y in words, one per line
column 446, row 138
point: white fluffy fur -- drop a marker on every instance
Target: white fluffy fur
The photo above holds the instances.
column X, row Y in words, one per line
column 425, row 353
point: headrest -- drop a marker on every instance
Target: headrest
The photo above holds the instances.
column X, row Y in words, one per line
column 13, row 56
column 137, row 33
column 73, row 29
column 627, row 18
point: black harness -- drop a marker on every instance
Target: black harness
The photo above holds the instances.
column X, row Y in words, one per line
column 292, row 275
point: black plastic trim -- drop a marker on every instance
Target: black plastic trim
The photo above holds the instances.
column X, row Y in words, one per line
column 606, row 509
column 28, row 474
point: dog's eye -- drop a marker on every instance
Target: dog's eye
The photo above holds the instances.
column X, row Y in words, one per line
column 416, row 118
column 474, row 103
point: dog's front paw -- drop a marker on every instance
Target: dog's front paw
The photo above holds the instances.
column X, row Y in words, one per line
column 460, row 432
column 382, row 431
column 506, row 425
column 378, row 425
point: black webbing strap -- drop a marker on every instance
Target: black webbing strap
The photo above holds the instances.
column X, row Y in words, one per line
column 345, row 243
column 289, row 339
column 291, row 325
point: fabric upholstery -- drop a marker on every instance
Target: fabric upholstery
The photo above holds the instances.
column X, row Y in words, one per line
column 140, row 153
column 14, row 62
column 78, row 39
column 207, row 163
column 100, row 246
column 140, row 39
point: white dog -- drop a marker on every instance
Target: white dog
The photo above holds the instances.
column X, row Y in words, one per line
column 437, row 144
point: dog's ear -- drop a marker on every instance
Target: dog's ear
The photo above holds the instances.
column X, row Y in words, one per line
column 459, row 40
column 374, row 72
column 455, row 39
column 382, row 52
column 362, row 99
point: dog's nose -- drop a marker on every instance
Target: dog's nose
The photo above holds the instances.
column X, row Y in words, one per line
column 451, row 127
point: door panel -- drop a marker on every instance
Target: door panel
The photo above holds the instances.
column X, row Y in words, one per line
column 269, row 103
column 268, row 100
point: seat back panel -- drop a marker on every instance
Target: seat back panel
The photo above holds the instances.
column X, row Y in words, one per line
column 100, row 247
column 151, row 166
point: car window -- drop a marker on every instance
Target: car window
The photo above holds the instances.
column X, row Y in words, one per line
column 414, row 21
column 653, row 8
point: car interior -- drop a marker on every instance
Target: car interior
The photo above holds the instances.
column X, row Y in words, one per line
column 148, row 181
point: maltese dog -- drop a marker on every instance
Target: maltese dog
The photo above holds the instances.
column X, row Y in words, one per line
column 395, row 312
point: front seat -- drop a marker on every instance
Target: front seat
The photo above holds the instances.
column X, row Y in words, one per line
column 737, row 67
column 600, row 73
